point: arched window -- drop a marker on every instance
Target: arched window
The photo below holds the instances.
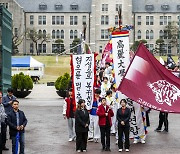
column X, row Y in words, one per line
column 161, row 33
column 57, row 34
column 151, row 34
column 139, row 34
column 44, row 33
column 75, row 34
column 71, row 34
column 62, row 34
column 40, row 32
column 147, row 34
column 53, row 34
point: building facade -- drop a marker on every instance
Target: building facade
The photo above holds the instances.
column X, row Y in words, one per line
column 66, row 20
column 150, row 20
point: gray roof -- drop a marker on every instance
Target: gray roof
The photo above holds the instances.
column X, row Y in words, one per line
column 159, row 6
column 33, row 5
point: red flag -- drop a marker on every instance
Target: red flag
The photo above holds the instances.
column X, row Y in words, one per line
column 150, row 84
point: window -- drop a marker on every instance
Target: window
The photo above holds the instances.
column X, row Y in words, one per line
column 62, row 34
column 44, row 20
column 15, row 32
column 31, row 47
column 147, row 20
column 118, row 6
column 178, row 19
column 139, row 20
column 31, row 20
column 150, row 47
column 139, row 34
column 100, row 49
column 75, row 34
column 53, row 34
column 165, row 20
column 40, row 48
column 75, row 20
column 58, row 6
column 44, row 33
column 5, row 5
column 104, row 20
column 53, row 20
column 40, row 32
column 151, row 20
column 44, row 48
column 57, row 34
column 151, row 34
column 165, row 34
column 84, row 20
column 40, row 20
column 54, row 48
column 165, row 7
column 104, row 7
column 57, row 20
column 149, row 7
column 104, row 34
column 71, row 20
column 161, row 33
column 147, row 34
column 71, row 34
column 42, row 6
column 178, row 7
column 116, row 20
column 62, row 20
column 74, row 7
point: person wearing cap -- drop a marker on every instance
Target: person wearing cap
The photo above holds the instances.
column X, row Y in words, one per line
column 123, row 116
column 105, row 113
column 7, row 102
column 81, row 126
column 69, row 109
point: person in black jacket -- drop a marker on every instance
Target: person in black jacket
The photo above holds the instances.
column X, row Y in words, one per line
column 17, row 122
column 81, row 126
column 123, row 116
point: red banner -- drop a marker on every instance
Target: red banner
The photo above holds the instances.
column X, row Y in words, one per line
column 150, row 84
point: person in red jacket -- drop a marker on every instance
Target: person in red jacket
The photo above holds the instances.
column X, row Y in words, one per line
column 105, row 113
column 69, row 109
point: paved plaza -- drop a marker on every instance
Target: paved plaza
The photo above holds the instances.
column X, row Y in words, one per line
column 46, row 132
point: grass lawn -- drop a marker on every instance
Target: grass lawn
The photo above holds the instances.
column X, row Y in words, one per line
column 54, row 69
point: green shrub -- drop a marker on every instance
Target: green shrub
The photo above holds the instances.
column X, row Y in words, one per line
column 62, row 82
column 21, row 82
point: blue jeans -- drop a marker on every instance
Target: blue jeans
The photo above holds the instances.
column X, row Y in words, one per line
column 21, row 141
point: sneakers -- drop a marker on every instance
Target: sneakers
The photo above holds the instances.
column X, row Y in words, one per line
column 84, row 150
column 143, row 142
column 96, row 140
column 120, row 150
column 135, row 142
column 127, row 150
column 70, row 139
column 78, row 151
column 157, row 130
column 90, row 140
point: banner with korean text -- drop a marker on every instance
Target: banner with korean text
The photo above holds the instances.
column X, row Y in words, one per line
column 121, row 57
column 83, row 72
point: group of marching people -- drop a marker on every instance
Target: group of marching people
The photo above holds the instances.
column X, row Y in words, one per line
column 108, row 115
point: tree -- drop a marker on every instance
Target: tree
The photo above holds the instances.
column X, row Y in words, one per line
column 37, row 37
column 59, row 46
column 171, row 33
column 75, row 46
column 159, row 46
column 136, row 44
column 17, row 39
